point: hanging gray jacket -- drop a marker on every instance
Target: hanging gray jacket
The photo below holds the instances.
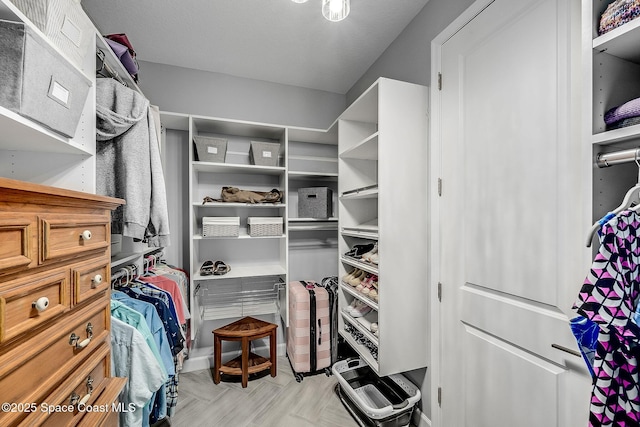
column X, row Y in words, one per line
column 128, row 163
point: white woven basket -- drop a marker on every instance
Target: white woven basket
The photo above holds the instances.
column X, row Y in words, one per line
column 264, row 226
column 221, row 226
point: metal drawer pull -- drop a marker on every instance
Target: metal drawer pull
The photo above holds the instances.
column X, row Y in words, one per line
column 86, row 235
column 40, row 304
column 97, row 279
column 75, row 400
column 567, row 350
column 87, row 396
column 73, row 339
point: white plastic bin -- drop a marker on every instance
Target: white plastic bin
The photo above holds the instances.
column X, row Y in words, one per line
column 373, row 400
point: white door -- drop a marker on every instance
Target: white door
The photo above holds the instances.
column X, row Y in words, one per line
column 512, row 218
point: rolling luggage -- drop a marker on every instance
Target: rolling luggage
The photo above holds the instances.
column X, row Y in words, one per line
column 331, row 285
column 308, row 335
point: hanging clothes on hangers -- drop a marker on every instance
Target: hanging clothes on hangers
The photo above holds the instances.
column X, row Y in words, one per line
column 608, row 297
column 131, row 357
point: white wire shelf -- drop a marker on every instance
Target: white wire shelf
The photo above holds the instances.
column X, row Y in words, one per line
column 250, row 297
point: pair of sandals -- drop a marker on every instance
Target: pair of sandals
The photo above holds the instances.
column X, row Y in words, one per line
column 218, row 268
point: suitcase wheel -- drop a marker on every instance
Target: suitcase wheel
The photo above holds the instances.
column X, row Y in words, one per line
column 299, row 377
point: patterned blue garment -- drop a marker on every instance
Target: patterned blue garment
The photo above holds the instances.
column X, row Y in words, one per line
column 586, row 333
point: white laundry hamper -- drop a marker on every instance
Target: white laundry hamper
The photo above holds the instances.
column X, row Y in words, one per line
column 373, row 400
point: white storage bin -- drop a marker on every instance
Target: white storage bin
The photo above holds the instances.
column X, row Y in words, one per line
column 210, row 149
column 379, row 401
column 221, row 226
column 37, row 82
column 264, row 153
column 264, row 226
column 65, row 23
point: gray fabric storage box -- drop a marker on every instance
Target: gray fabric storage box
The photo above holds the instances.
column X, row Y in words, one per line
column 210, row 149
column 64, row 23
column 315, row 202
column 37, row 82
column 264, row 153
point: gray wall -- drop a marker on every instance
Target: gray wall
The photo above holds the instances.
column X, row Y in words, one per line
column 408, row 58
column 188, row 91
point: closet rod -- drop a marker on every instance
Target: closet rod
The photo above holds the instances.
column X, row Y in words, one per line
column 604, row 160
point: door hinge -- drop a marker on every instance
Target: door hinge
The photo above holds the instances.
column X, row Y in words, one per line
column 439, row 186
column 439, row 292
column 439, row 81
column 440, row 397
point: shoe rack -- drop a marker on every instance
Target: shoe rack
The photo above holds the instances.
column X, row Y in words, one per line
column 382, row 188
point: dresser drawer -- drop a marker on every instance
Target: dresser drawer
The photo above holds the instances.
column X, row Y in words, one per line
column 67, row 236
column 77, row 395
column 17, row 244
column 90, row 278
column 29, row 302
column 31, row 370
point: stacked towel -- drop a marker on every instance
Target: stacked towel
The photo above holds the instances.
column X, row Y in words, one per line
column 627, row 114
column 618, row 13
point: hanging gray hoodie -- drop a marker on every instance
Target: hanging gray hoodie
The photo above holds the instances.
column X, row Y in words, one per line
column 128, row 163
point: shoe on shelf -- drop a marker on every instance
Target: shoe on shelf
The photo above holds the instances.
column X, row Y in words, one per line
column 358, row 250
column 364, row 283
column 370, row 285
column 374, row 326
column 347, row 277
column 357, row 279
column 351, row 306
column 366, row 257
column 373, row 294
column 360, row 310
column 374, row 258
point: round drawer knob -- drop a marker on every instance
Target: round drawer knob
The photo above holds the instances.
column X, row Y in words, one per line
column 97, row 279
column 86, row 235
column 40, row 304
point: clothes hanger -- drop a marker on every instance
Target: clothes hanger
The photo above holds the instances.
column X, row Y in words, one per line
column 632, row 198
column 104, row 70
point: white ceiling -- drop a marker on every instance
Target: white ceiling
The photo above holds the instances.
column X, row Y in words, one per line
column 273, row 40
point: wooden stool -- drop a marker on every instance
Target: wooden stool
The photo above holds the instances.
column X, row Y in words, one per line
column 246, row 329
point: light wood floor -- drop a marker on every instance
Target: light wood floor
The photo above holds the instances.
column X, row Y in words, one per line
column 266, row 402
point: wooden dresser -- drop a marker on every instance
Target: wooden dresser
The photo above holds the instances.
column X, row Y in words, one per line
column 55, row 360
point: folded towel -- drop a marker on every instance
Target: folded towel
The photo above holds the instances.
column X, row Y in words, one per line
column 625, row 111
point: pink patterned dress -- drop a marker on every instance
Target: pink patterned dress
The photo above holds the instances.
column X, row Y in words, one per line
column 608, row 297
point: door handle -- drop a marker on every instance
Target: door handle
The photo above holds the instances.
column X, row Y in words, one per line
column 566, row 350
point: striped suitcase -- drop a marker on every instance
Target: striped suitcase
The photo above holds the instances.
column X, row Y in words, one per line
column 331, row 285
column 309, row 332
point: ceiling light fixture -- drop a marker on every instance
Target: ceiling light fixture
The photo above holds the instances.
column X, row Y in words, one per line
column 336, row 10
column 299, row 1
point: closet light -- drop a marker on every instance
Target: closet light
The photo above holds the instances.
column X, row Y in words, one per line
column 336, row 10
column 299, row 1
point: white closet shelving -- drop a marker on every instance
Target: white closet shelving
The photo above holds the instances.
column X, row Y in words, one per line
column 32, row 152
column 382, row 151
column 313, row 242
column 254, row 285
column 613, row 61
